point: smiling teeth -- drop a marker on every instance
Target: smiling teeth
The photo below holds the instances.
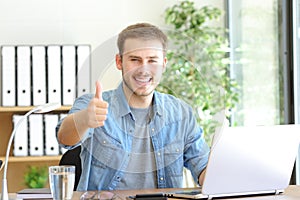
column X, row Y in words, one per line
column 143, row 80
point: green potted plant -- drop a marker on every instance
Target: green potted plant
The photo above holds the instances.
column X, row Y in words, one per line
column 198, row 69
column 36, row 177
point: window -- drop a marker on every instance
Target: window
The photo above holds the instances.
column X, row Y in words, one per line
column 265, row 49
column 296, row 70
column 255, row 60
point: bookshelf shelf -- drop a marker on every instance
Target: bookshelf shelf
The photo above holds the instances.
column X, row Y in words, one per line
column 18, row 165
column 16, row 159
column 28, row 108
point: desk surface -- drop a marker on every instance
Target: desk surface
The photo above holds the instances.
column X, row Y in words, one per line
column 291, row 193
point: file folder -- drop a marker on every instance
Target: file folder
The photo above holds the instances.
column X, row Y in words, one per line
column 51, row 144
column 83, row 69
column 23, row 76
column 21, row 137
column 54, row 73
column 8, row 76
column 36, row 135
column 68, row 74
column 38, row 75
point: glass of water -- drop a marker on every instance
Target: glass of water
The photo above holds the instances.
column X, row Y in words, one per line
column 61, row 180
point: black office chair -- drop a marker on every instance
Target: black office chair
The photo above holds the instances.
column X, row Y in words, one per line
column 72, row 157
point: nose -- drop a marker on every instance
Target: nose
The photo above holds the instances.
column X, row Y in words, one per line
column 144, row 69
column 144, row 62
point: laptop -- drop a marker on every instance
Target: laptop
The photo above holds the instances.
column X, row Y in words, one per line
column 248, row 161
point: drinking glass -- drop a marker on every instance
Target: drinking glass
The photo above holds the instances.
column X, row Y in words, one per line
column 61, row 180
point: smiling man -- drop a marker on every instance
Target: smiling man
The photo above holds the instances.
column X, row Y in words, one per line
column 142, row 63
column 134, row 137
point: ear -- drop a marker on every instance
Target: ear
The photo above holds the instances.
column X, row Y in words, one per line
column 165, row 64
column 119, row 62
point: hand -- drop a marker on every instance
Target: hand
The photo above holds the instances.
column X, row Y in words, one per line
column 97, row 109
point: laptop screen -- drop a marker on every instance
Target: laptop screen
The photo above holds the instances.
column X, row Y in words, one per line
column 251, row 159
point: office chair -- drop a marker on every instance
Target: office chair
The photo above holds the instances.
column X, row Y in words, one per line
column 71, row 157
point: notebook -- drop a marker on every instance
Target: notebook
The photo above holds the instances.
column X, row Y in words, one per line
column 34, row 193
column 249, row 161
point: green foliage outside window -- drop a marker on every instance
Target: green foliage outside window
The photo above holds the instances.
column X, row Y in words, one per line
column 198, row 63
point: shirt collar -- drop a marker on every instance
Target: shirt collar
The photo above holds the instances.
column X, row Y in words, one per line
column 123, row 108
column 157, row 103
column 120, row 102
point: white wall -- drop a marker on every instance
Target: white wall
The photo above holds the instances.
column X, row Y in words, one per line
column 94, row 22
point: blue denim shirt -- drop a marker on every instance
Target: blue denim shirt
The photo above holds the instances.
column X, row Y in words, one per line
column 177, row 142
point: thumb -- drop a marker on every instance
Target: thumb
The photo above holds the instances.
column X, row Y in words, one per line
column 98, row 93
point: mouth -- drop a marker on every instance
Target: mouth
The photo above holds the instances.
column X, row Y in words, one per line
column 143, row 80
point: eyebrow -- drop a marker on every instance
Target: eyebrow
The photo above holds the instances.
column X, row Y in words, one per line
column 149, row 57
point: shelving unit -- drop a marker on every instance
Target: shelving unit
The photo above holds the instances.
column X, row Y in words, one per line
column 17, row 166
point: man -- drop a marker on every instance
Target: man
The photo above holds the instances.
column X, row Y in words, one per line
column 135, row 137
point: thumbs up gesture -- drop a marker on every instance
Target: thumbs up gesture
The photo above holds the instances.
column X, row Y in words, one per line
column 98, row 93
column 97, row 109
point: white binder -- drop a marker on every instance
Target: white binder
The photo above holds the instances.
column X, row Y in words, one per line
column 54, row 73
column 38, row 75
column 23, row 76
column 51, row 144
column 36, row 135
column 83, row 69
column 21, row 137
column 68, row 74
column 8, row 76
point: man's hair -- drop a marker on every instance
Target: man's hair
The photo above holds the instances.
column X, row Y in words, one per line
column 144, row 31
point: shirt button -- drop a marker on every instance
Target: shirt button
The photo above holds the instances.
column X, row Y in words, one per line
column 177, row 150
column 161, row 178
column 152, row 129
column 158, row 154
column 104, row 142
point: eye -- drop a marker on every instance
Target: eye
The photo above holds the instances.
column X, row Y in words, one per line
column 134, row 60
column 152, row 61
